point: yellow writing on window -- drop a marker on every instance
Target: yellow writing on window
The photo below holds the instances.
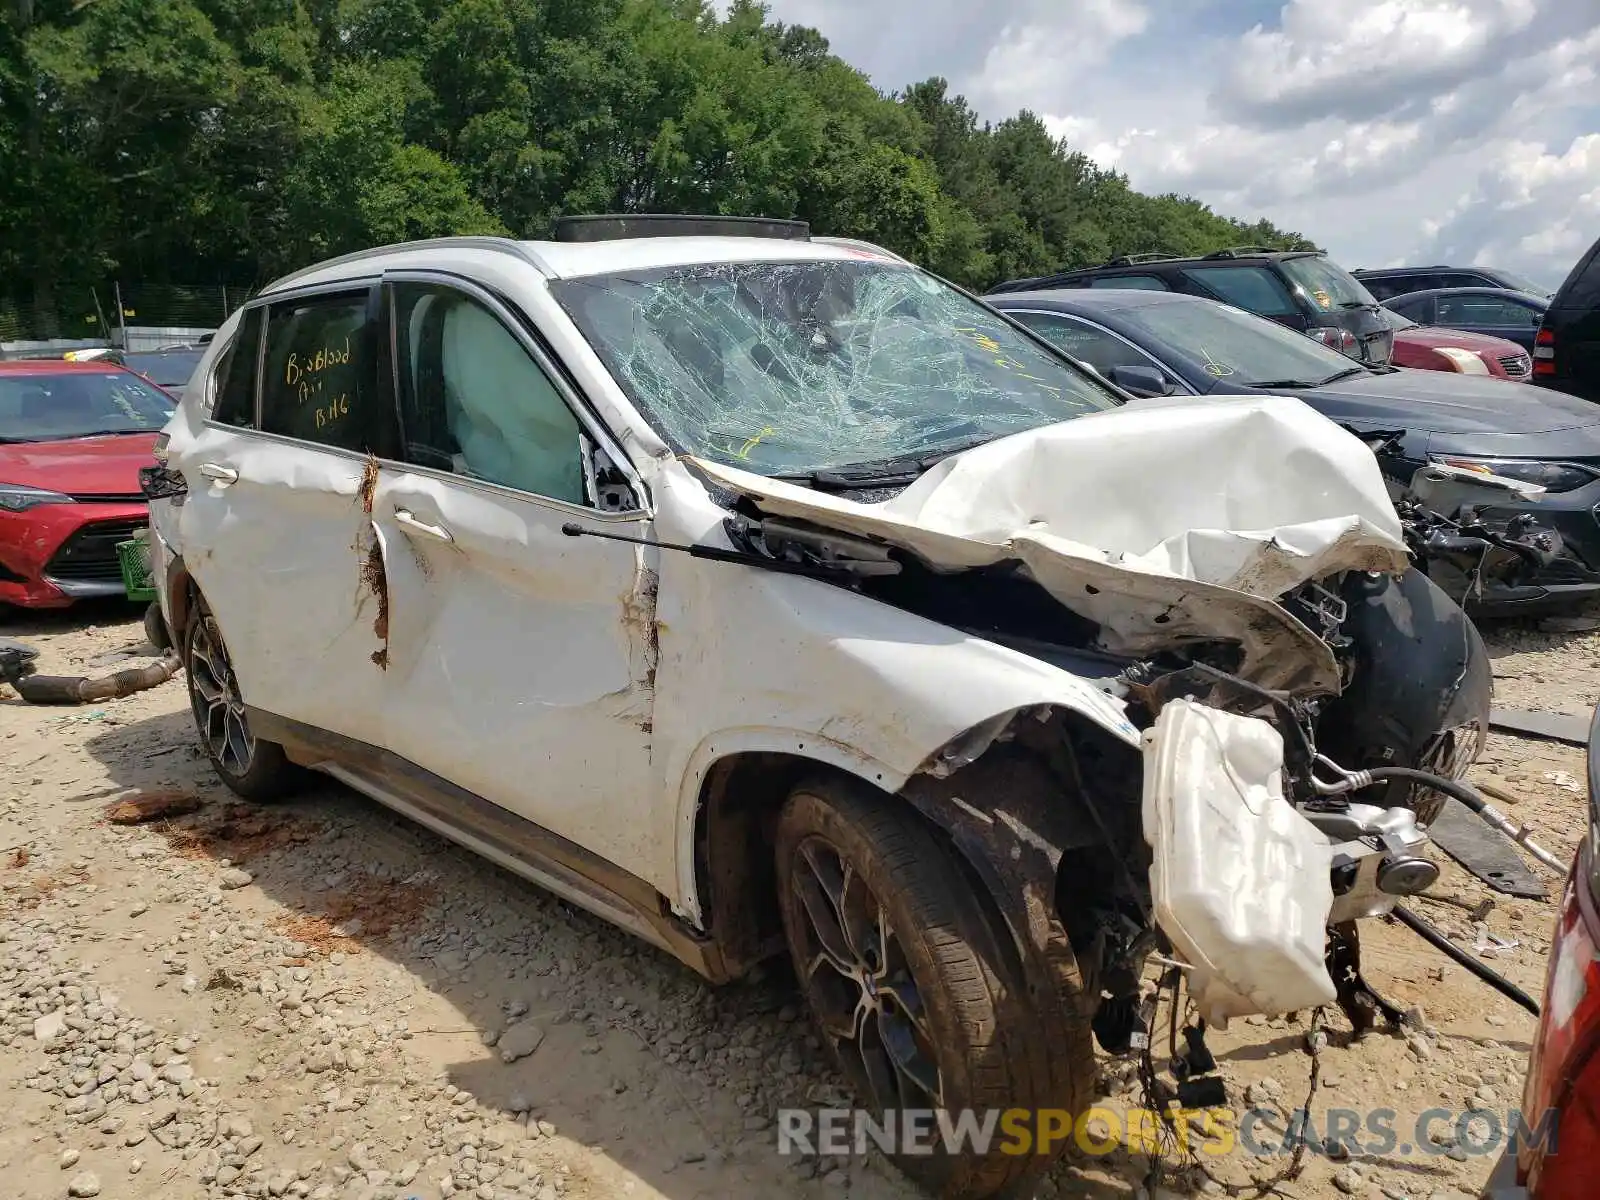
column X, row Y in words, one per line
column 339, row 407
column 298, row 369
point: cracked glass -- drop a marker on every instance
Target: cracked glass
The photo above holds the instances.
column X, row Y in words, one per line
column 790, row 367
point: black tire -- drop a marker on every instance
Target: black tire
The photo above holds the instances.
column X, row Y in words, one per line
column 155, row 627
column 254, row 769
column 979, row 1041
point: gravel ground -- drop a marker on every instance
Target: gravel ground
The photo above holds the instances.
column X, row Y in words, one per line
column 320, row 999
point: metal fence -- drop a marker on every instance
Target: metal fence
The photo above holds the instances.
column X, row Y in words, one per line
column 139, row 316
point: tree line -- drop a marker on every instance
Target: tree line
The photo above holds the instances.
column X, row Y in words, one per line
column 229, row 141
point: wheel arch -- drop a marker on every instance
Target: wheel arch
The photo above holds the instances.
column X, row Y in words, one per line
column 992, row 795
column 180, row 591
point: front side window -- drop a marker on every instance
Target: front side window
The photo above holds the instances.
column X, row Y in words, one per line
column 316, row 380
column 1418, row 308
column 791, row 367
column 1253, row 288
column 1101, row 350
column 1240, row 348
column 474, row 402
column 47, row 407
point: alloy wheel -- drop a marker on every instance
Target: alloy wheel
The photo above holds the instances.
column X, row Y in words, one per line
column 218, row 706
column 860, row 985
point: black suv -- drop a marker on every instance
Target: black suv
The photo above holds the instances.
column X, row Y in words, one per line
column 1387, row 282
column 1566, row 350
column 1302, row 289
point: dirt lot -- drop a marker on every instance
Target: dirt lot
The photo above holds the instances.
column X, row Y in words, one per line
column 320, row 999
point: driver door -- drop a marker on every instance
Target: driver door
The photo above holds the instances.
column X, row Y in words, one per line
column 521, row 661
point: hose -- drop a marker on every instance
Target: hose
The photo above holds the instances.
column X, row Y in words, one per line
column 1468, row 795
column 1444, row 945
column 1354, row 781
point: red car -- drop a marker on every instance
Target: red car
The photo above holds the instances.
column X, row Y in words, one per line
column 1561, row 1099
column 73, row 436
column 1431, row 348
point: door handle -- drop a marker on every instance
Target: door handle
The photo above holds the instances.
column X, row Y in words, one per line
column 407, row 520
column 222, row 475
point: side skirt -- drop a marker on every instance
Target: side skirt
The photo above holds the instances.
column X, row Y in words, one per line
column 499, row 835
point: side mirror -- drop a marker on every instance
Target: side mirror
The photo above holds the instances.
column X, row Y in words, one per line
column 1141, row 381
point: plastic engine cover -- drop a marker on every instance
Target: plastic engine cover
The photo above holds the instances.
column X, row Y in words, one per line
column 1240, row 880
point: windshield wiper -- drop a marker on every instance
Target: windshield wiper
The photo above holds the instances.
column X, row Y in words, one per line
column 1284, row 383
column 1338, row 375
column 106, row 433
column 884, row 472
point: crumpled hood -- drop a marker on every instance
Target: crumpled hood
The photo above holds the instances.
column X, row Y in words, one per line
column 1163, row 521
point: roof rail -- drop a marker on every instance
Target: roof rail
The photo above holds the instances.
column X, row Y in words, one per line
column 606, row 227
column 1148, row 256
column 859, row 244
column 1244, row 251
column 465, row 242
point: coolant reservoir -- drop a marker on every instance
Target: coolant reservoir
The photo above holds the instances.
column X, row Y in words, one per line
column 1240, row 880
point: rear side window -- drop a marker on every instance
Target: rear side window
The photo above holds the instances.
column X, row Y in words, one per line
column 317, row 377
column 1254, row 289
column 1486, row 310
column 1142, row 283
column 236, row 375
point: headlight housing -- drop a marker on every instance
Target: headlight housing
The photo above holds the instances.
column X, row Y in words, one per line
column 1552, row 476
column 17, row 497
column 1464, row 361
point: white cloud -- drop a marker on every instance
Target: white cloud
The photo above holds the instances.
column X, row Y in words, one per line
column 1034, row 52
column 1386, row 130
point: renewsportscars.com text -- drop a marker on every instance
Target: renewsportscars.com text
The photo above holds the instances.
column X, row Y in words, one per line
column 1214, row 1132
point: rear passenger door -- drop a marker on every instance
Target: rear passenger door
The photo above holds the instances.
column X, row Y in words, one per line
column 276, row 529
column 521, row 661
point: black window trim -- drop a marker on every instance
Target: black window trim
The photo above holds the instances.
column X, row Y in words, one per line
column 1165, row 370
column 366, row 283
column 526, row 332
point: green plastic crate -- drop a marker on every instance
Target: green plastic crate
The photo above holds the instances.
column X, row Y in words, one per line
column 134, row 558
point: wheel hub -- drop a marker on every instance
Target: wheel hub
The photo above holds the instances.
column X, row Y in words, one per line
column 860, row 984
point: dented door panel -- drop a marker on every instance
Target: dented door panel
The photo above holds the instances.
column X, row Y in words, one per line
column 282, row 557
column 521, row 662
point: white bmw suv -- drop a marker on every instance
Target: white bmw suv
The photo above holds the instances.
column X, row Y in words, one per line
column 749, row 588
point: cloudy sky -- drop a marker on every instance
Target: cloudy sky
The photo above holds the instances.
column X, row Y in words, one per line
column 1388, row 131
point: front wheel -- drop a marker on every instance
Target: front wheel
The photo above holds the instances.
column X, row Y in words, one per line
column 904, row 971
column 254, row 769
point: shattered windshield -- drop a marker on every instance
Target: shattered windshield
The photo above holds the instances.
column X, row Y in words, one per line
column 790, row 367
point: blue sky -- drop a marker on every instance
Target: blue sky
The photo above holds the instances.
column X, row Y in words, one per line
column 1386, row 130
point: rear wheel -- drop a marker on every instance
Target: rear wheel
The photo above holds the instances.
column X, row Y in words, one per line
column 904, row 971
column 255, row 769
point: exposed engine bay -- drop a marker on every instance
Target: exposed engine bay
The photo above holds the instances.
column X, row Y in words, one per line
column 1346, row 676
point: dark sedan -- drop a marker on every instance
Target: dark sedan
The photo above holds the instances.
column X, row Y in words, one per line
column 1161, row 343
column 1494, row 312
